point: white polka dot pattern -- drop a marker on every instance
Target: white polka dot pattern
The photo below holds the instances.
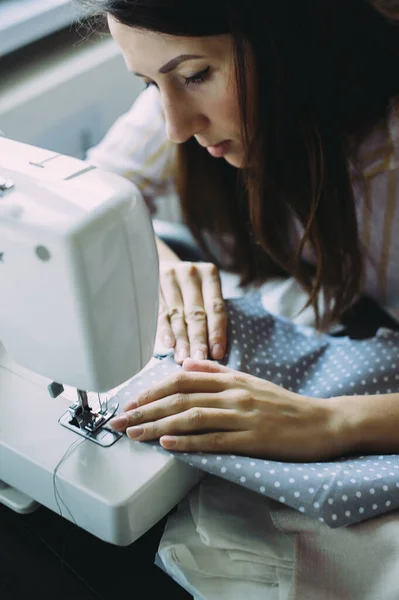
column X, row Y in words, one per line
column 340, row 492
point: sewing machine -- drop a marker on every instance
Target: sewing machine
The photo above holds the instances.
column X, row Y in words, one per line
column 78, row 314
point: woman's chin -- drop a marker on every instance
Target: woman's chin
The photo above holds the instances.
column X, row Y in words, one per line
column 235, row 160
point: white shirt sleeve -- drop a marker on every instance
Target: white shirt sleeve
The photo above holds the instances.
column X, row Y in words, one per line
column 137, row 147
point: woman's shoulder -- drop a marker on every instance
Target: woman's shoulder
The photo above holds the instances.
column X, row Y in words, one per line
column 379, row 150
column 146, row 108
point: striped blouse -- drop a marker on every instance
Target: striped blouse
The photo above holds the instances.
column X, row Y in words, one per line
column 137, row 148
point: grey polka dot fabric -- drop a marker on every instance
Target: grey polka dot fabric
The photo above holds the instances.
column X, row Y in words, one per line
column 340, row 492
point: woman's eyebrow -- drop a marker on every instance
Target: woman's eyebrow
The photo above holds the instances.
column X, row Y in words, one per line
column 175, row 62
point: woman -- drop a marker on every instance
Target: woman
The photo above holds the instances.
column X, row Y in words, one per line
column 284, row 120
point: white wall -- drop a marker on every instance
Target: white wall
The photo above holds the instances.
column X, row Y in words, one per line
column 65, row 93
column 25, row 21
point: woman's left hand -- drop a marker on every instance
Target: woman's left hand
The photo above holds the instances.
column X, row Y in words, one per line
column 209, row 408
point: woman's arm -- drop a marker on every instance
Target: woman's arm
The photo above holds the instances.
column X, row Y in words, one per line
column 137, row 148
column 369, row 424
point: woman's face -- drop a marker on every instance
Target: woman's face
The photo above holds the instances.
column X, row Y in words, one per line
column 196, row 82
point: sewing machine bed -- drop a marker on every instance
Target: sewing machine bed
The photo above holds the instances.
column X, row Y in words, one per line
column 116, row 493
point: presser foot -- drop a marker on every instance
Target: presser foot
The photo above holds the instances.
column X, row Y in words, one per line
column 89, row 423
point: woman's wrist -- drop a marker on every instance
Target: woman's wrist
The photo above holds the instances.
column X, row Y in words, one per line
column 368, row 423
column 348, row 420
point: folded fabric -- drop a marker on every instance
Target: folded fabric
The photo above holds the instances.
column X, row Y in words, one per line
column 339, row 492
column 221, row 544
column 360, row 562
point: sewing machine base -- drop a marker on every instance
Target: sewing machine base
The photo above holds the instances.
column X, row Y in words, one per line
column 16, row 500
column 116, row 493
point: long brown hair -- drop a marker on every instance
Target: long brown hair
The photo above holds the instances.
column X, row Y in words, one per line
column 389, row 8
column 327, row 72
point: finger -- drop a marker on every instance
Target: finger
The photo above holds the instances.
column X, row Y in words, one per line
column 175, row 307
column 215, row 310
column 219, row 442
column 165, row 334
column 193, row 420
column 183, row 383
column 205, row 366
column 194, row 311
column 169, row 406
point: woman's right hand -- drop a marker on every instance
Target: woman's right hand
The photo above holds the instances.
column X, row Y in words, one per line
column 192, row 314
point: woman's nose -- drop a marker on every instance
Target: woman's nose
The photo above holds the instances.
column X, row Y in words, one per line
column 183, row 122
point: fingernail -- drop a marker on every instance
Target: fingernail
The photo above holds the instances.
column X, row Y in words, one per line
column 167, row 441
column 217, row 351
column 118, row 422
column 181, row 355
column 131, row 405
column 199, row 355
column 135, row 432
column 168, row 341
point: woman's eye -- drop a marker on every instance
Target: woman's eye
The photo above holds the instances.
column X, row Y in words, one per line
column 193, row 80
column 197, row 78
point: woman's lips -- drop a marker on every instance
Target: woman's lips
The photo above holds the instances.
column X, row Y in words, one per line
column 220, row 149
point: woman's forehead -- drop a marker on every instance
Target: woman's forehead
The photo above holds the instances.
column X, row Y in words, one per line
column 144, row 48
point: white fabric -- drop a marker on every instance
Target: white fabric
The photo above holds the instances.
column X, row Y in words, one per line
column 360, row 562
column 222, row 545
column 280, row 296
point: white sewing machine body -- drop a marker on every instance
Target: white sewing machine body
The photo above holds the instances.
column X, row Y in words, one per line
column 78, row 306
